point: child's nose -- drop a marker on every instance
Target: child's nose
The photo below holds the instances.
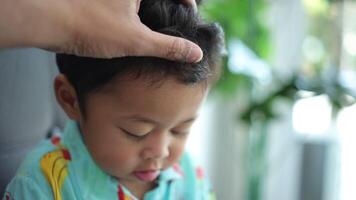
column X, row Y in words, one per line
column 157, row 147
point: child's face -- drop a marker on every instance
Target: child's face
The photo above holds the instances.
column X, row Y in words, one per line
column 134, row 130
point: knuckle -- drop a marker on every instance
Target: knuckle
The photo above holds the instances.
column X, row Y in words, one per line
column 176, row 49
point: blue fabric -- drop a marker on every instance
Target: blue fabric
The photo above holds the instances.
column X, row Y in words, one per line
column 82, row 179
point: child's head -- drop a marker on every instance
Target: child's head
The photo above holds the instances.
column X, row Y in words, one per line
column 135, row 112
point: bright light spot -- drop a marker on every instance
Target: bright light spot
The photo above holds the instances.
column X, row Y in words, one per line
column 244, row 61
column 346, row 123
column 316, row 7
column 305, row 94
column 346, row 127
column 312, row 115
column 349, row 43
column 348, row 79
column 313, row 49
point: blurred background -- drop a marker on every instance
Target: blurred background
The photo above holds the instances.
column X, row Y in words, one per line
column 279, row 125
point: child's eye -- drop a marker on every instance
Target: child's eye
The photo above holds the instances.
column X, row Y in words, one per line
column 180, row 133
column 134, row 135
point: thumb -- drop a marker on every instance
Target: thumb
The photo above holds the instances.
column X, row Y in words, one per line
column 169, row 47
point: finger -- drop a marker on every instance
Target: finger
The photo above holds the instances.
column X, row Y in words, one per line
column 138, row 3
column 169, row 47
column 191, row 3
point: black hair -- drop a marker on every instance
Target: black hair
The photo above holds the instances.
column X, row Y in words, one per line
column 88, row 75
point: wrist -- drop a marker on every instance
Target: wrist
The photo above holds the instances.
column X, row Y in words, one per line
column 10, row 21
column 30, row 23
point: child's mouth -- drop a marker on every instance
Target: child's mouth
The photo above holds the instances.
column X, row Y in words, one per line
column 148, row 175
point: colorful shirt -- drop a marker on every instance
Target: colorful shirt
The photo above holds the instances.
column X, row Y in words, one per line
column 61, row 168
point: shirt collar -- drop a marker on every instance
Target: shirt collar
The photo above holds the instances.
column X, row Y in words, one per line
column 172, row 173
column 86, row 172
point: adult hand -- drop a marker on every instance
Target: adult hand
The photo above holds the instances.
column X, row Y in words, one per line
column 94, row 28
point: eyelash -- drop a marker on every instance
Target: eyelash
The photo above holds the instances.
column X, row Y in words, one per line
column 138, row 138
column 133, row 136
column 177, row 133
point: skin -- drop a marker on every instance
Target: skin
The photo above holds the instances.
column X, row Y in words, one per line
column 132, row 126
column 94, row 28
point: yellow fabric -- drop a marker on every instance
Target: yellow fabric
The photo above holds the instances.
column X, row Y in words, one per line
column 54, row 167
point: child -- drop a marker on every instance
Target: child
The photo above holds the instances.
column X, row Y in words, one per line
column 130, row 119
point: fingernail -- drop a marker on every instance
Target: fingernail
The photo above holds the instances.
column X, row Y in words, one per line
column 195, row 54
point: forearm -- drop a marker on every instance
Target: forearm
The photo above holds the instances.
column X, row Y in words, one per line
column 28, row 23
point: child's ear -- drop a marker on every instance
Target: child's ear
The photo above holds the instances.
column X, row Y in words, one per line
column 67, row 97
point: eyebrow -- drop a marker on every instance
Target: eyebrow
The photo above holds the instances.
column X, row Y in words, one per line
column 152, row 121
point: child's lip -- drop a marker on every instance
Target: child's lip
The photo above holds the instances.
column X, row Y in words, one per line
column 147, row 175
